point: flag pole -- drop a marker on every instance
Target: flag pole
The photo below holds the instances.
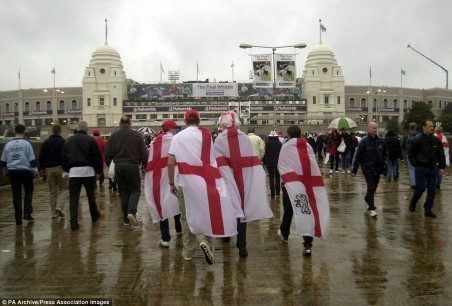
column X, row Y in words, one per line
column 19, row 80
column 106, row 32
column 197, row 72
column 232, row 67
column 320, row 31
column 160, row 72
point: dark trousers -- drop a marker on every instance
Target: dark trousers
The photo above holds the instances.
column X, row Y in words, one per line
column 241, row 235
column 372, row 181
column 18, row 178
column 334, row 160
column 164, row 228
column 426, row 177
column 287, row 219
column 129, row 184
column 274, row 180
column 75, row 186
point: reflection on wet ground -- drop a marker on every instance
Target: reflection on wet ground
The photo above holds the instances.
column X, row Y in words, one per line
column 398, row 258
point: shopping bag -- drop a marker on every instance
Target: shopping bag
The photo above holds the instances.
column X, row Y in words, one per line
column 111, row 170
column 327, row 158
column 342, row 147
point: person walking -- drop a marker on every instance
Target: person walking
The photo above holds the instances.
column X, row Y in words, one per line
column 101, row 143
column 162, row 203
column 426, row 154
column 301, row 175
column 205, row 205
column 258, row 143
column 128, row 151
column 243, row 174
column 51, row 166
column 333, row 144
column 19, row 164
column 405, row 143
column 82, row 159
column 439, row 134
column 394, row 153
column 371, row 154
column 345, row 156
column 272, row 149
column 321, row 145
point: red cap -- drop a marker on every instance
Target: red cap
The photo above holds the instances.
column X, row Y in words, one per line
column 169, row 124
column 191, row 113
column 96, row 133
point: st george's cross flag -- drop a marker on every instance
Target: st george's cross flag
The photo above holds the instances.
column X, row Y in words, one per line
column 208, row 206
column 242, row 170
column 445, row 144
column 161, row 202
column 300, row 173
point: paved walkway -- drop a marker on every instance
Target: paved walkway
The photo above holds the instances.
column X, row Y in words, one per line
column 398, row 258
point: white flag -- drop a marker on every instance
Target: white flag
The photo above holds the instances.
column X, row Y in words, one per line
column 53, row 70
column 322, row 28
column 403, row 71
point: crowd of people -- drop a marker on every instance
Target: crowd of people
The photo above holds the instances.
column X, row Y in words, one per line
column 213, row 185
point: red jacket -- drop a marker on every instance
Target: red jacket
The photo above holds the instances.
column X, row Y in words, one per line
column 101, row 143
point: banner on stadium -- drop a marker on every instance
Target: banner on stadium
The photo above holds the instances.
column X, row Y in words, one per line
column 245, row 110
column 285, row 70
column 234, row 106
column 203, row 90
column 262, row 70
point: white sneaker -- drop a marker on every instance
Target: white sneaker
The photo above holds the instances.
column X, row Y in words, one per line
column 187, row 258
column 342, row 172
column 348, row 171
column 372, row 213
column 164, row 244
column 132, row 219
column 337, row 171
column 178, row 233
column 331, row 171
column 280, row 235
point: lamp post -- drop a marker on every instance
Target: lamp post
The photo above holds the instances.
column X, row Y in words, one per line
column 274, row 48
column 55, row 102
column 444, row 69
column 378, row 91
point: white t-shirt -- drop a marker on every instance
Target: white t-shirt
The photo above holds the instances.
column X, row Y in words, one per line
column 85, row 171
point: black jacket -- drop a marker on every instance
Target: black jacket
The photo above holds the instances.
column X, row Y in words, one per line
column 51, row 151
column 126, row 147
column 347, row 138
column 393, row 145
column 371, row 155
column 272, row 149
column 82, row 150
column 426, row 151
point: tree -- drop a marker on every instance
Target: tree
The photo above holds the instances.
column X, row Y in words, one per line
column 446, row 118
column 418, row 112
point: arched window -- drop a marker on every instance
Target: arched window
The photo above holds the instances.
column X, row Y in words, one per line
column 395, row 103
column 385, row 103
column 74, row 105
column 439, row 104
column 27, row 106
column 16, row 107
column 363, row 102
column 351, row 102
column 405, row 104
column 430, row 103
column 62, row 105
column 38, row 106
column 7, row 108
column 49, row 105
column 376, row 103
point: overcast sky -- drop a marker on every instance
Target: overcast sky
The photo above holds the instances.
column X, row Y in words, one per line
column 37, row 35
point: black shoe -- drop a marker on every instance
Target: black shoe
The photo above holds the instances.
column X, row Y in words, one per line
column 412, row 208
column 438, row 186
column 29, row 218
column 307, row 251
column 208, row 255
column 19, row 223
column 243, row 252
column 412, row 187
column 429, row 213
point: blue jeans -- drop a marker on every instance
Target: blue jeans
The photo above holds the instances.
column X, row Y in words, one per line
column 392, row 166
column 426, row 177
column 345, row 160
column 411, row 172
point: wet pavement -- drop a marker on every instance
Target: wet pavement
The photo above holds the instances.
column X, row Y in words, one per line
column 398, row 258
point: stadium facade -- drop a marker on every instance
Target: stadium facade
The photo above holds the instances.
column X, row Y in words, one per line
column 106, row 94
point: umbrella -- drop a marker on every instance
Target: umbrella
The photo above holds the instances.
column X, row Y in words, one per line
column 342, row 122
column 147, row 130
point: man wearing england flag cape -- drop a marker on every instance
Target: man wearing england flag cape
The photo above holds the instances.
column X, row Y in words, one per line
column 243, row 173
column 304, row 193
column 162, row 203
column 205, row 204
